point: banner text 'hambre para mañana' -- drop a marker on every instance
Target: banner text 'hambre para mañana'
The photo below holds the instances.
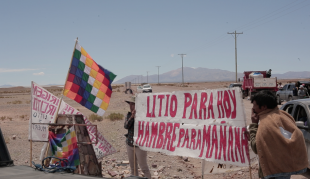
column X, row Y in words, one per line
column 207, row 124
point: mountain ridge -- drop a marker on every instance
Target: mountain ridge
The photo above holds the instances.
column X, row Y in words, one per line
column 203, row 75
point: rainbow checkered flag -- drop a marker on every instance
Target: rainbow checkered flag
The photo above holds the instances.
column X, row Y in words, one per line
column 88, row 83
column 64, row 146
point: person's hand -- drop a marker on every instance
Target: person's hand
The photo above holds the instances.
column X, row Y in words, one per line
column 254, row 117
column 133, row 114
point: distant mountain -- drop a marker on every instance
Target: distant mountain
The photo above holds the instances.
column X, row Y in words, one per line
column 293, row 75
column 203, row 74
column 6, row 86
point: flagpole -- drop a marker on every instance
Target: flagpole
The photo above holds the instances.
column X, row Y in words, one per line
column 244, row 134
column 55, row 119
column 203, row 168
column 30, row 162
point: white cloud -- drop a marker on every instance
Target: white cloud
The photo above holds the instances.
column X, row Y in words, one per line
column 39, row 74
column 5, row 70
column 172, row 55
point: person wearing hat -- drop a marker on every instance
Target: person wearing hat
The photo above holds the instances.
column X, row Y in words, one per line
column 268, row 73
column 135, row 154
column 301, row 92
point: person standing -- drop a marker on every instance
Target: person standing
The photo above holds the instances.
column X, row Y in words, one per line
column 135, row 154
column 275, row 138
column 280, row 85
column 268, row 73
column 295, row 91
column 305, row 89
column 301, row 92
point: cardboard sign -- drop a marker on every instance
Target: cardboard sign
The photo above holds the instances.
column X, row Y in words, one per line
column 43, row 110
column 205, row 124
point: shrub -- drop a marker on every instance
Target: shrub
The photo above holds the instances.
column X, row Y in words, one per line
column 22, row 116
column 9, row 118
column 2, row 118
column 95, row 117
column 117, row 86
column 17, row 102
column 115, row 116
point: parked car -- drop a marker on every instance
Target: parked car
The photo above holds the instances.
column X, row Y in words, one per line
column 299, row 110
column 235, row 85
column 286, row 93
column 147, row 89
column 139, row 89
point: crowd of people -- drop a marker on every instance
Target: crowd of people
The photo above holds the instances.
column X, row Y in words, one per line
column 299, row 91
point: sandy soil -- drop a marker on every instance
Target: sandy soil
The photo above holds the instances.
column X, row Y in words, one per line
column 14, row 119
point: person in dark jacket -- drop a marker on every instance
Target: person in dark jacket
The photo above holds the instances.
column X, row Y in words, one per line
column 268, row 73
column 135, row 154
column 295, row 91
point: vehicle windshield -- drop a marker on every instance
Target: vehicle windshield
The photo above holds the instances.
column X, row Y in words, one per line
column 146, row 86
column 139, row 86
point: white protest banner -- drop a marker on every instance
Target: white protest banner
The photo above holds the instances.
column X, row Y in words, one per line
column 44, row 106
column 43, row 110
column 205, row 124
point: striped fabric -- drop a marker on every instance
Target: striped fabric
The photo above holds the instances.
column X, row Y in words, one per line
column 64, row 146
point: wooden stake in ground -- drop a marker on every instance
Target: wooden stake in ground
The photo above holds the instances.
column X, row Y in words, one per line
column 134, row 160
column 30, row 162
column 202, row 167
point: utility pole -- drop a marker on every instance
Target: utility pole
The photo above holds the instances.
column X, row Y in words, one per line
column 147, row 77
column 182, row 69
column 158, row 73
column 235, row 49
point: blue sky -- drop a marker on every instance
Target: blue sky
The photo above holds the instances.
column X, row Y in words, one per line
column 133, row 37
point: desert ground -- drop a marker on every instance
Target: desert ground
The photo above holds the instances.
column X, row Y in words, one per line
column 14, row 123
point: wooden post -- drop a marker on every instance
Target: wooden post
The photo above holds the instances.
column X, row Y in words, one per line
column 202, row 167
column 248, row 146
column 30, row 162
column 250, row 170
column 134, row 160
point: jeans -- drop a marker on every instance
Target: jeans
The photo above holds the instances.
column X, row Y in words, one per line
column 285, row 175
column 140, row 158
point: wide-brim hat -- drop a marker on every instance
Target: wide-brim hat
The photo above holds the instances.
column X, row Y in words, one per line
column 131, row 99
